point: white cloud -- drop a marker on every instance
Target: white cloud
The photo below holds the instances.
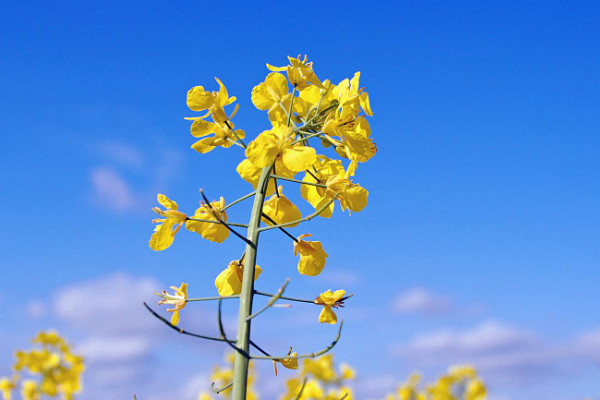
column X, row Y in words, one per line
column 115, row 349
column 111, row 191
column 496, row 349
column 109, row 304
column 36, row 308
column 421, row 301
column 122, row 153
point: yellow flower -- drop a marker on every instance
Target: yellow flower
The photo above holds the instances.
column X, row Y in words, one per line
column 273, row 95
column 215, row 232
column 30, row 390
column 6, row 387
column 321, row 368
column 331, row 173
column 224, row 135
column 347, row 371
column 312, row 256
column 289, row 363
column 229, row 281
column 165, row 231
column 330, row 300
column 199, row 99
column 281, row 210
column 178, row 299
column 277, row 143
column 300, row 73
column 312, row 390
column 251, row 173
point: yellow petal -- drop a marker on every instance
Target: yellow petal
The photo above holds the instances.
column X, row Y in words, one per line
column 198, row 99
column 298, row 158
column 163, row 236
column 263, row 150
column 355, row 198
column 312, row 258
column 204, row 145
column 281, row 210
column 166, row 202
column 228, row 282
column 327, row 316
column 175, row 318
column 202, row 128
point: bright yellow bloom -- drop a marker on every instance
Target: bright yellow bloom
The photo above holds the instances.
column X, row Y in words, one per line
column 199, row 99
column 224, row 135
column 300, row 73
column 281, row 210
column 215, row 232
column 312, row 256
column 251, row 173
column 229, row 281
column 167, row 227
column 331, row 173
column 330, row 300
column 178, row 299
column 277, row 143
column 6, row 387
column 273, row 95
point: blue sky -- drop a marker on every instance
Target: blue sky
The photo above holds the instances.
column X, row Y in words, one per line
column 481, row 239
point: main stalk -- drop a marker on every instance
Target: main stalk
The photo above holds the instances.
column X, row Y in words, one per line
column 240, row 367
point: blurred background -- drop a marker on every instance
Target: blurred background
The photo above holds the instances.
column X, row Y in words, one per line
column 480, row 243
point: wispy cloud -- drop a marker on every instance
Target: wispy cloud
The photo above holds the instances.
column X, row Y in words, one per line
column 421, row 301
column 122, row 154
column 111, row 191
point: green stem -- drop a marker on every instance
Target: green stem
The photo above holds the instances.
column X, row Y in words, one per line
column 299, row 181
column 241, row 363
column 238, row 200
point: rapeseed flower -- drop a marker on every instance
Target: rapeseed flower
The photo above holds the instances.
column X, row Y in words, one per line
column 229, row 281
column 213, row 231
column 177, row 299
column 168, row 226
column 312, row 256
column 330, row 300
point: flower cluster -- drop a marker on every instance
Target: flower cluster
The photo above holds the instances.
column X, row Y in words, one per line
column 314, row 126
column 460, row 383
column 52, row 370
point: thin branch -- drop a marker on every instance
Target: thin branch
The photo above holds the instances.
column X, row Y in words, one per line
column 346, row 395
column 248, row 242
column 308, row 355
column 224, row 336
column 180, row 330
column 307, row 218
column 235, row 134
column 302, row 388
column 219, row 390
column 238, row 200
column 274, row 298
column 311, row 135
column 284, row 298
column 218, row 222
column 235, row 296
column 280, row 228
column 298, row 181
